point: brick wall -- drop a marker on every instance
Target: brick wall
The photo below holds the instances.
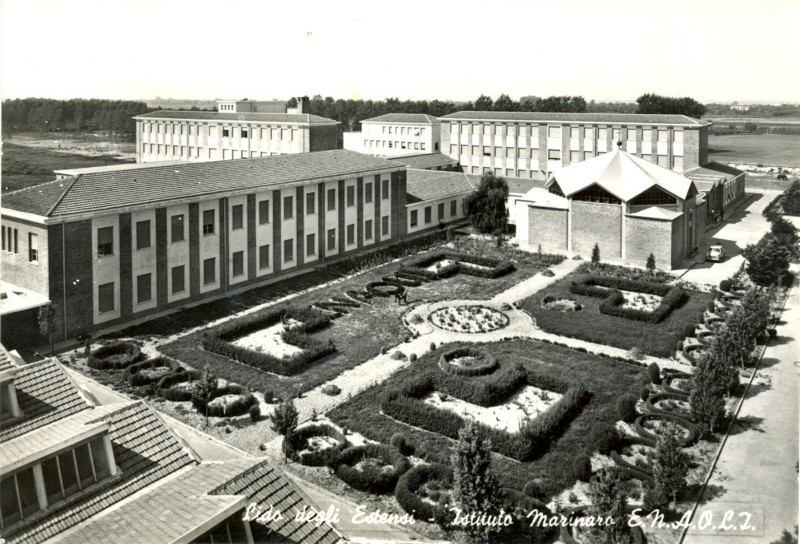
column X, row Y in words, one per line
column 592, row 223
column 678, row 246
column 78, row 257
column 126, row 265
column 548, row 227
column 645, row 236
column 16, row 267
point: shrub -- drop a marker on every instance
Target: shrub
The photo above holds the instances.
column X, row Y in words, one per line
column 331, row 389
column 533, row 488
column 487, row 267
column 604, row 437
column 255, row 412
column 654, row 373
column 626, row 407
column 117, row 355
column 412, row 357
column 725, row 285
column 433, row 346
column 296, row 442
column 582, row 468
column 679, row 345
column 398, row 440
column 407, row 492
column 487, row 365
column 593, row 286
column 269, row 396
column 384, row 350
column 711, row 307
column 399, row 356
column 137, row 379
column 644, row 393
column 238, row 407
column 371, row 479
column 688, row 330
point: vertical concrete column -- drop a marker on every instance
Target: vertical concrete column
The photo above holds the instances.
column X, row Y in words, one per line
column 340, row 206
column 277, row 218
column 126, row 265
column 359, row 212
column 162, row 270
column 252, row 250
column 194, row 249
column 300, row 221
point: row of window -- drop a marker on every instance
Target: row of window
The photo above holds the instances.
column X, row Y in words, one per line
column 267, row 133
column 389, row 144
column 58, row 477
column 575, row 156
column 415, row 131
column 428, row 211
column 10, row 243
column 555, row 131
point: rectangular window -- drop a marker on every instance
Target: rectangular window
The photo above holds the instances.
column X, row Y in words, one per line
column 602, row 133
column 178, row 283
column 662, row 135
column 238, row 263
column 351, row 196
column 144, row 291
column 554, row 154
column 351, row 235
column 331, row 199
column 33, row 248
column 4, row 237
column 574, row 156
column 677, row 136
column 288, row 250
column 615, row 134
column 647, row 135
column 263, row 257
column 414, row 218
column 427, row 215
column 142, row 234
column 331, row 239
column 554, row 132
column 385, row 189
column 677, row 164
column 208, row 221
column 311, row 245
column 244, row 133
column 105, row 297
column 385, row 225
column 368, row 229
column 105, row 241
column 288, row 207
column 226, row 133
column 263, row 212
column 440, row 211
column 176, row 223
column 574, row 133
column 368, row 192
column 237, row 217
column 311, row 203
column 588, row 133
column 209, row 271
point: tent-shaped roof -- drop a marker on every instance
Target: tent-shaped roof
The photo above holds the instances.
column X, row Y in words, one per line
column 621, row 174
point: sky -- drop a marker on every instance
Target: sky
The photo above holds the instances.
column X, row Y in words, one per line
column 606, row 50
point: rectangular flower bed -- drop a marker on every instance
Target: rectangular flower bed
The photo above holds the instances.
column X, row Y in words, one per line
column 485, row 267
column 608, row 287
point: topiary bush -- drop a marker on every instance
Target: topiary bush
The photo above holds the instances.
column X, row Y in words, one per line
column 117, row 355
column 411, row 491
column 237, row 407
column 679, row 345
column 654, row 373
column 626, row 407
column 370, row 478
column 331, row 389
column 644, row 393
column 297, row 441
column 486, row 363
column 136, row 378
column 582, row 468
column 398, row 440
column 412, row 357
column 725, row 285
column 688, row 330
column 255, row 413
column 604, row 437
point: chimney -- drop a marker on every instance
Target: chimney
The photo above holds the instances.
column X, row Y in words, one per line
column 302, row 104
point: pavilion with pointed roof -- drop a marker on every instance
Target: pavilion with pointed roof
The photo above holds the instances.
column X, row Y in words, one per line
column 627, row 205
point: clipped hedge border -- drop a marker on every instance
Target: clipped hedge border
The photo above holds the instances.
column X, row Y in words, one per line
column 633, row 470
column 134, row 378
column 374, row 289
column 218, row 339
column 651, row 401
column 98, row 359
column 409, row 483
column 678, row 420
column 411, row 276
column 236, row 408
column 296, row 441
column 373, row 482
column 494, row 268
column 672, row 296
column 166, row 390
column 489, row 363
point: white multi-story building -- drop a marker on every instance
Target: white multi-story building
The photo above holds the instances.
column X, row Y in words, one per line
column 395, row 134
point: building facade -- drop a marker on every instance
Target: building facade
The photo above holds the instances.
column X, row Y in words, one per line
column 111, row 247
column 435, row 199
column 534, row 145
column 396, row 134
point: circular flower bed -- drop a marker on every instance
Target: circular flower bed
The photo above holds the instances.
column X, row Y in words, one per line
column 649, row 425
column 115, row 356
column 383, row 289
column 372, row 467
column 315, row 445
column 424, row 492
column 472, row 319
column 467, row 362
column 561, row 304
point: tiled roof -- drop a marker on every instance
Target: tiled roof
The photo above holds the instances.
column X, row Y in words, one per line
column 189, row 498
column 145, row 451
column 266, row 118
column 426, row 160
column 45, row 394
column 37, row 199
column 704, row 186
column 115, row 167
column 415, row 118
column 555, row 117
column 434, row 184
column 621, row 174
column 5, row 360
column 713, row 170
column 107, row 191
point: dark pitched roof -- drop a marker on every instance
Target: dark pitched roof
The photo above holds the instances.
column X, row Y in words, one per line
column 434, row 184
column 557, row 117
column 713, row 170
column 415, row 118
column 110, row 190
column 144, row 450
column 283, row 118
column 45, row 394
column 5, row 360
column 37, row 199
column 426, row 160
column 194, row 495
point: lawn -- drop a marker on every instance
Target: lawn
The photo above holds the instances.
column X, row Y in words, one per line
column 605, row 379
column 657, row 339
column 765, row 149
column 25, row 166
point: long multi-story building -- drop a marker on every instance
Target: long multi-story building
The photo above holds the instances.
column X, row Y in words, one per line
column 108, row 247
column 238, row 130
column 395, row 134
column 534, row 145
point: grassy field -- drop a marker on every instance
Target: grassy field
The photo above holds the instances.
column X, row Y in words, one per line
column 766, row 149
column 24, row 166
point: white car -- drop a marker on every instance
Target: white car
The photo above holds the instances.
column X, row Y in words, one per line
column 715, row 253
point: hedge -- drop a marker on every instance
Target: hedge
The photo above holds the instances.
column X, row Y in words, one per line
column 374, row 289
column 134, row 378
column 373, row 481
column 165, row 385
column 115, row 356
column 494, row 268
column 487, row 366
column 409, row 484
column 678, row 420
column 218, row 339
column 296, row 441
column 673, row 296
column 236, row 408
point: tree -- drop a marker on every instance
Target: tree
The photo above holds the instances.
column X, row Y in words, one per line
column 484, row 103
column 608, row 494
column 767, row 260
column 47, row 323
column 735, row 342
column 595, row 255
column 757, row 307
column 710, row 382
column 504, row 103
column 475, row 489
column 670, row 465
column 651, row 263
column 487, row 207
column 203, row 393
column 653, row 103
column 785, row 234
column 284, row 421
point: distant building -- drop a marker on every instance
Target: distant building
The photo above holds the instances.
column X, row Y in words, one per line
column 251, row 106
column 435, row 199
column 238, row 130
column 722, row 185
column 395, row 134
column 534, row 145
column 627, row 205
column 740, row 108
